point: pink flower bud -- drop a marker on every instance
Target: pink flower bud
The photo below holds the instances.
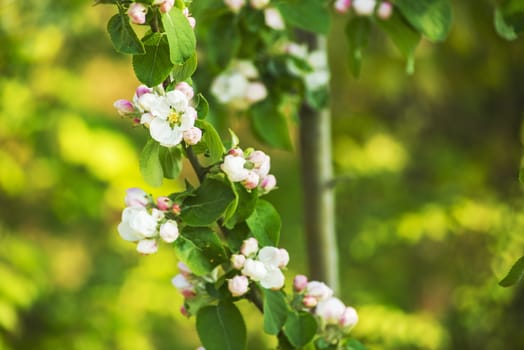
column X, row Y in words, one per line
column 186, row 89
column 349, row 318
column 385, row 10
column 309, row 301
column 249, row 247
column 142, row 90
column 166, row 5
column 342, row 6
column 147, row 246
column 169, row 231
column 251, row 180
column 268, row 183
column 163, row 203
column 192, row 136
column 185, row 287
column 137, row 13
column 136, row 197
column 124, row 107
column 236, row 152
column 238, row 285
column 237, row 261
column 300, row 283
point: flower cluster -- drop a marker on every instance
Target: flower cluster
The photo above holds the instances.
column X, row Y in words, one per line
column 238, row 86
column 365, row 7
column 258, row 265
column 137, row 11
column 144, row 221
column 272, row 16
column 335, row 318
column 315, row 78
column 251, row 168
column 168, row 115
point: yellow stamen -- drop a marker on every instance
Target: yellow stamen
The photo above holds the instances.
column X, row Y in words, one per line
column 174, row 118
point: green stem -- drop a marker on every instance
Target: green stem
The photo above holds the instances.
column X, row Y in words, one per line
column 200, row 171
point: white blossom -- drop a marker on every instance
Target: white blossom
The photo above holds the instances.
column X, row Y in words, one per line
column 273, row 279
column 364, row 7
column 330, row 310
column 249, row 247
column 147, row 246
column 349, row 318
column 274, row 19
column 254, row 269
column 256, row 92
column 229, row 86
column 261, row 162
column 235, row 5
column 137, row 224
column 169, row 231
column 234, row 168
column 259, row 4
column 136, row 197
column 238, row 285
column 237, row 261
column 319, row 290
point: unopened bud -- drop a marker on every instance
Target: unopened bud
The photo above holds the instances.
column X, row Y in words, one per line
column 192, row 136
column 300, row 283
column 236, row 152
column 183, row 311
column 364, row 7
column 166, row 5
column 268, row 183
column 238, row 285
column 186, row 89
column 142, row 90
column 274, row 19
column 169, row 231
column 163, row 203
column 342, row 6
column 249, row 247
column 147, row 246
column 124, row 107
column 237, row 261
column 251, row 181
column 235, row 5
column 385, row 10
column 309, row 301
column 137, row 13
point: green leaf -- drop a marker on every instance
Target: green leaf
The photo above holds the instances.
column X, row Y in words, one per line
column 123, row 36
column 432, row 18
column 200, row 249
column 509, row 19
column 310, row 15
column 270, row 125
column 221, row 327
column 275, row 311
column 171, row 160
column 182, row 72
column 150, row 165
column 404, row 36
column 108, row 2
column 300, row 328
column 223, row 27
column 153, row 67
column 265, row 223
column 202, row 107
column 357, row 32
column 514, row 275
column 213, row 141
column 242, row 207
column 353, row 344
column 180, row 35
column 209, row 203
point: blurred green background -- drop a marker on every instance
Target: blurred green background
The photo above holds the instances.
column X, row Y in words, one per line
column 428, row 199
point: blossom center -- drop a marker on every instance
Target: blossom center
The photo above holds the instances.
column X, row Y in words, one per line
column 174, row 118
